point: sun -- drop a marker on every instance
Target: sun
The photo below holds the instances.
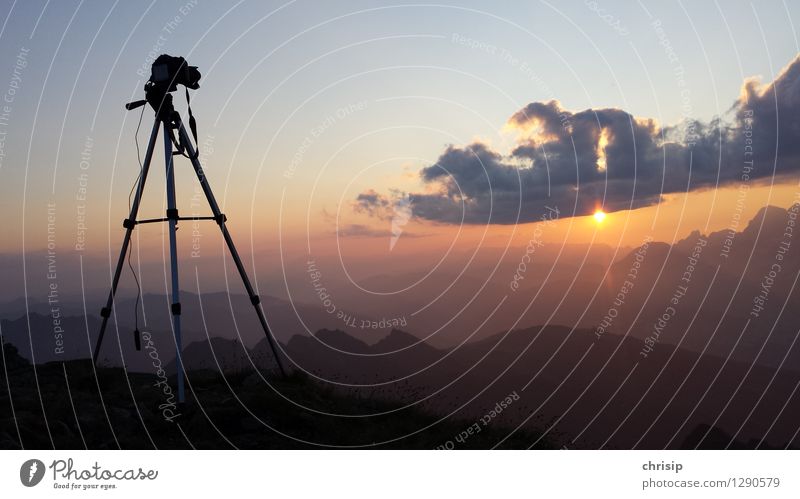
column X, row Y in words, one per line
column 599, row 216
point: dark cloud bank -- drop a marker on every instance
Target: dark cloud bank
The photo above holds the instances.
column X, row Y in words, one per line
column 558, row 162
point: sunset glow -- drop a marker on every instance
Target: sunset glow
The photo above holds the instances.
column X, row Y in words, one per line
column 382, row 225
column 601, row 150
column 599, row 216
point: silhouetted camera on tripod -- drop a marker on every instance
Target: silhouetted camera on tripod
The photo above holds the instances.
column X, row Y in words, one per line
column 167, row 73
column 173, row 71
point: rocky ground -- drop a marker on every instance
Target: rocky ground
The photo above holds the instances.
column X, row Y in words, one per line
column 59, row 405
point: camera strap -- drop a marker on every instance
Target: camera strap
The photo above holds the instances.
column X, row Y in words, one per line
column 192, row 125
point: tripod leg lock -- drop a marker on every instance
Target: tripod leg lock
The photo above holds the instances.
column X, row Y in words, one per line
column 255, row 300
column 105, row 312
column 220, row 219
column 172, row 214
column 176, row 309
column 128, row 223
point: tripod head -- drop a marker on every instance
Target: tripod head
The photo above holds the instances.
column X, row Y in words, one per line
column 166, row 73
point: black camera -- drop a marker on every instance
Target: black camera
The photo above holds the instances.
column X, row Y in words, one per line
column 166, row 74
column 173, row 71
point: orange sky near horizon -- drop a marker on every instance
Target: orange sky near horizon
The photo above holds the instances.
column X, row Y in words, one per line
column 671, row 220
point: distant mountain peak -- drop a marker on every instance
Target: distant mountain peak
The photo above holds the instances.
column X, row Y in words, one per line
column 340, row 340
column 694, row 235
column 396, row 340
column 771, row 215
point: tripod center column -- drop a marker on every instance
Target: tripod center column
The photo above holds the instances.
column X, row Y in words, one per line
column 172, row 215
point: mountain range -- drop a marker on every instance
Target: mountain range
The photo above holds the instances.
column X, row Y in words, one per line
column 637, row 351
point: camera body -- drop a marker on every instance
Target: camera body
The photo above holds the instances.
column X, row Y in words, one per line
column 167, row 72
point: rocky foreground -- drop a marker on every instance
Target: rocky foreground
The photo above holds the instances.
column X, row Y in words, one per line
column 70, row 405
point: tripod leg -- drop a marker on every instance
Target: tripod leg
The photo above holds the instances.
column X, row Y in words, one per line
column 220, row 218
column 172, row 215
column 129, row 224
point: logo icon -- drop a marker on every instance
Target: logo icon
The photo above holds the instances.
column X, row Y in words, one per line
column 31, row 472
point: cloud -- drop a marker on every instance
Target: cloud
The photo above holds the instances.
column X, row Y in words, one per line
column 581, row 161
column 360, row 230
column 371, row 203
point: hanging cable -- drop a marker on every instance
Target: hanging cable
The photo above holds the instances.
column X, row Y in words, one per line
column 136, row 334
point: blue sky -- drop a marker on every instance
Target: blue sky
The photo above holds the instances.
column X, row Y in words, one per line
column 421, row 76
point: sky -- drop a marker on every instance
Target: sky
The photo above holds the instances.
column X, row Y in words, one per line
column 322, row 124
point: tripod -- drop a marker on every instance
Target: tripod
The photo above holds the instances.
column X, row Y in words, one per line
column 170, row 120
